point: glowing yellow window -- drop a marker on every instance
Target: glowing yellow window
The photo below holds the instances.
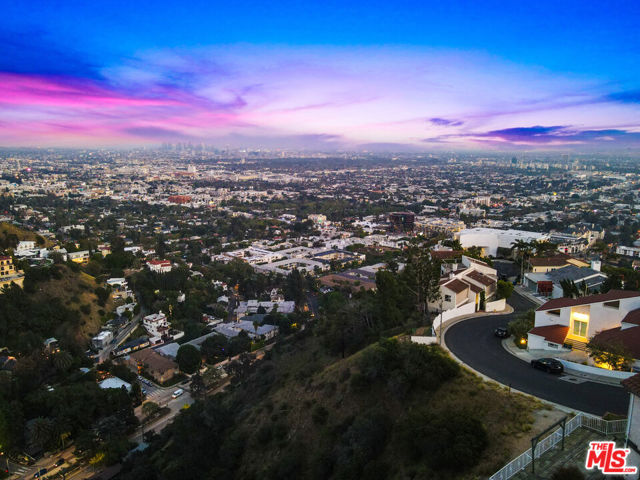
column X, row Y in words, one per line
column 580, row 328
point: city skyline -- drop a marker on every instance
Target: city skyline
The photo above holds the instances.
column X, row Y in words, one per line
column 368, row 76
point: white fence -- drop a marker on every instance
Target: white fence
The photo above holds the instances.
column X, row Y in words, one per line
column 550, row 441
column 496, row 306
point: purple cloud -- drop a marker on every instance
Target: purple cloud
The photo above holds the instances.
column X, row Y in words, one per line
column 443, row 122
column 547, row 136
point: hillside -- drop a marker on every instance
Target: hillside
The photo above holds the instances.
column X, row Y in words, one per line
column 392, row 410
column 56, row 301
column 11, row 234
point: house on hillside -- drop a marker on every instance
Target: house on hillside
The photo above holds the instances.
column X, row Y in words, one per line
column 9, row 274
column 565, row 323
column 548, row 284
column 463, row 283
column 159, row 266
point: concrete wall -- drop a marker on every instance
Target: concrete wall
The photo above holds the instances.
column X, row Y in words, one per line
column 424, row 340
column 578, row 367
column 448, row 315
column 496, row 306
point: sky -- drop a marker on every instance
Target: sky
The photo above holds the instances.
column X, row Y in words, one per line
column 330, row 75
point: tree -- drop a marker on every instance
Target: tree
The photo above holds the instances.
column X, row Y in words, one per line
column 422, row 277
column 519, row 327
column 215, row 348
column 569, row 288
column 504, row 289
column 197, row 386
column 41, row 432
column 611, row 354
column 188, row 358
column 62, row 361
column 150, row 408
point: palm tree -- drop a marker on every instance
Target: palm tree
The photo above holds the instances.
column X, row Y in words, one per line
column 40, row 432
column 62, row 361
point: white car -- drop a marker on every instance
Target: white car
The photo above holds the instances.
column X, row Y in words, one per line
column 177, row 393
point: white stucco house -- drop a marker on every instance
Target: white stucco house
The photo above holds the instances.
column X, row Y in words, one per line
column 563, row 323
column 464, row 283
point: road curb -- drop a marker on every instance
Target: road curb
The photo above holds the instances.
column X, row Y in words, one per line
column 563, row 408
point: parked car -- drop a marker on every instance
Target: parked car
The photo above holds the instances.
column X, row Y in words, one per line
column 501, row 332
column 549, row 365
column 40, row 473
column 177, row 393
column 60, row 461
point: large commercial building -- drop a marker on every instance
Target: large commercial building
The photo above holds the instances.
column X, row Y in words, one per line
column 490, row 239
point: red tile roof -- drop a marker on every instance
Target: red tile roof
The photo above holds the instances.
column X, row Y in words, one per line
column 480, row 277
column 457, row 286
column 629, row 338
column 551, row 333
column 445, row 254
column 632, row 317
column 548, row 261
column 632, row 384
column 601, row 297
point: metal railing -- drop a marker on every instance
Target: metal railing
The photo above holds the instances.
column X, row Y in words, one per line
column 605, row 427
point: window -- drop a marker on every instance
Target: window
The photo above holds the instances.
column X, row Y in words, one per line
column 580, row 328
column 614, row 304
column 552, row 345
column 554, row 312
column 447, row 298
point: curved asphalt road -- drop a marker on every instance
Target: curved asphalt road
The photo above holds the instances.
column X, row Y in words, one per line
column 473, row 342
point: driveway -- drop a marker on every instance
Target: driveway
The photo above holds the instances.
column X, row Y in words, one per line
column 473, row 342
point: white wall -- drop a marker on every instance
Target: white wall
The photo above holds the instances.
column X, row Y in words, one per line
column 603, row 372
column 448, row 315
column 424, row 340
column 495, row 306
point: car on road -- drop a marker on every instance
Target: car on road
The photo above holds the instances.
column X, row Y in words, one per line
column 177, row 393
column 40, row 473
column 549, row 365
column 144, row 391
column 59, row 462
column 501, row 332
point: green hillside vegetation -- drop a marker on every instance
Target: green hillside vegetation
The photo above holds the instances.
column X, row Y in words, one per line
column 56, row 302
column 11, row 234
column 392, row 410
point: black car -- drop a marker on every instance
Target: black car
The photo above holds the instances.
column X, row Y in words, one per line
column 549, row 365
column 501, row 332
column 59, row 462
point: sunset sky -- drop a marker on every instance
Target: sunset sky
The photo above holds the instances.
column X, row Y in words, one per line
column 322, row 75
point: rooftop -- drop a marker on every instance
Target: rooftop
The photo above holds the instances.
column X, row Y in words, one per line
column 601, row 297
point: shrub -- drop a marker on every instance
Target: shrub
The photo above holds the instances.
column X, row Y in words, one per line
column 449, row 439
column 568, row 473
column 319, row 415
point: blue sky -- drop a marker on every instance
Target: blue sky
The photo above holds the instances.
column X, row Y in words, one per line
column 361, row 73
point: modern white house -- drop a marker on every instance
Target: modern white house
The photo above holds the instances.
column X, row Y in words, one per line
column 156, row 326
column 490, row 239
column 565, row 323
column 632, row 385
